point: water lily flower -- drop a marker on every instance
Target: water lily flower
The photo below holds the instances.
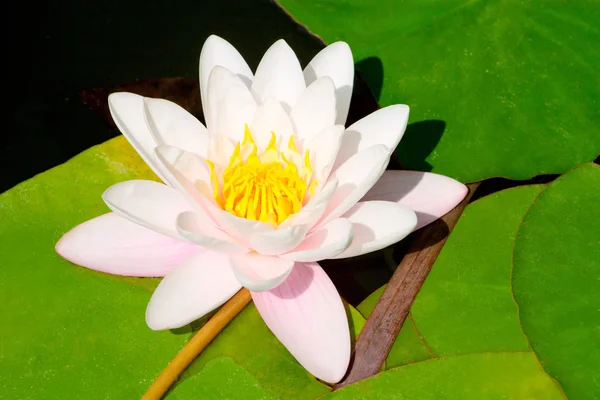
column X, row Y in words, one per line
column 271, row 186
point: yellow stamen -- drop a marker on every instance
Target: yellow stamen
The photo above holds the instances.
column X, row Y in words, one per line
column 267, row 188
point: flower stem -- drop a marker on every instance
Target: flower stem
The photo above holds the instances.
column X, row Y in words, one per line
column 194, row 347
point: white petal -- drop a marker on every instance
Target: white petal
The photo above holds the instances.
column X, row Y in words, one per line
column 127, row 110
column 172, row 125
column 324, row 149
column 307, row 315
column 257, row 272
column 271, row 117
column 429, row 195
column 336, row 62
column 311, row 213
column 377, row 224
column 355, row 177
column 229, row 106
column 184, row 170
column 217, row 51
column 194, row 288
column 150, row 204
column 278, row 241
column 220, row 149
column 385, row 126
column 279, row 76
column 326, row 242
column 200, row 229
column 315, row 109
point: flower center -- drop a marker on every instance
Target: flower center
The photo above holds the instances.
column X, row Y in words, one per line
column 267, row 188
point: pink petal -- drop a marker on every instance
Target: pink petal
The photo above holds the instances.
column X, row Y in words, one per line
column 112, row 244
column 429, row 195
column 199, row 228
column 336, row 62
column 194, row 288
column 257, row 272
column 326, row 242
column 315, row 109
column 385, row 126
column 355, row 177
column 218, row 51
column 307, row 315
column 279, row 76
column 171, row 124
column 148, row 203
column 377, row 224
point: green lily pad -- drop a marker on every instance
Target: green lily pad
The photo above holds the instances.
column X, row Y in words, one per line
column 66, row 331
column 248, row 341
column 466, row 304
column 409, row 346
column 473, row 376
column 221, row 378
column 515, row 84
column 556, row 280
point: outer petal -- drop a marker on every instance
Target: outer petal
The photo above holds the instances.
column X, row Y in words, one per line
column 429, row 195
column 279, row 76
column 127, row 110
column 323, row 243
column 271, row 117
column 385, row 126
column 200, row 229
column 229, row 105
column 217, row 51
column 115, row 245
column 336, row 62
column 307, row 315
column 324, row 149
column 356, row 176
column 315, row 109
column 172, row 125
column 258, row 272
column 147, row 203
column 377, row 224
column 196, row 287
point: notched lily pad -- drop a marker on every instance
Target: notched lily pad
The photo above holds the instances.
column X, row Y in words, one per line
column 466, row 304
column 556, row 280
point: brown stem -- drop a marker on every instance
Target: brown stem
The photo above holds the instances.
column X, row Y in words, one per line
column 382, row 327
column 194, row 347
